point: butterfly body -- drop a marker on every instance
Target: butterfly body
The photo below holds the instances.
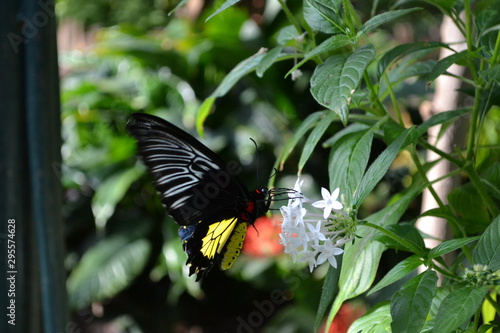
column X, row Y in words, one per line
column 202, row 193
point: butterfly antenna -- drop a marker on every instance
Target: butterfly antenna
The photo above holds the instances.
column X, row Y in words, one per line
column 257, row 152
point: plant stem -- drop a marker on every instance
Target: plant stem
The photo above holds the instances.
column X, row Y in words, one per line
column 290, row 16
column 494, row 58
column 380, row 109
column 398, row 239
column 393, row 99
column 422, row 173
column 441, row 153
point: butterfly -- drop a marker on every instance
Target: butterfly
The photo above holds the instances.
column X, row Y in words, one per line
column 201, row 192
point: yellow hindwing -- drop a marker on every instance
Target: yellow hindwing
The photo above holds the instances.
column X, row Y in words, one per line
column 234, row 246
column 226, row 231
column 217, row 236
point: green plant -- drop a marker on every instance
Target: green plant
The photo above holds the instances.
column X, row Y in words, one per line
column 356, row 80
column 359, row 80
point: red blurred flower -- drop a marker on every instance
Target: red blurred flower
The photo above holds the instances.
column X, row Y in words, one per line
column 264, row 241
column 348, row 313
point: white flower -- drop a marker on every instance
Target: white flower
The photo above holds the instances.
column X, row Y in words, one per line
column 296, row 74
column 329, row 201
column 315, row 232
column 328, row 251
column 315, row 238
column 309, row 257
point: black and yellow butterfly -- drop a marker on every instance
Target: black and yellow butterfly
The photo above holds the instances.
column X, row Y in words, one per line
column 202, row 193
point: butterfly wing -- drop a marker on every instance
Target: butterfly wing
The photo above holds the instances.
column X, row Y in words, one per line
column 194, row 183
column 200, row 191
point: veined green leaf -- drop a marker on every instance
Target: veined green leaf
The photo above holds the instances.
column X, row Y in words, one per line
column 450, row 245
column 380, row 19
column 487, row 251
column 403, row 50
column 452, row 313
column 331, row 44
column 306, row 125
column 443, row 64
column 314, row 137
column 323, row 15
column 377, row 320
column 333, row 83
column 268, row 60
column 398, row 272
column 330, row 287
column 364, row 254
column 349, row 159
column 378, row 168
column 411, row 304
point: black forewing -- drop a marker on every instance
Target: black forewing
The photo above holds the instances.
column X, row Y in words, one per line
column 194, row 183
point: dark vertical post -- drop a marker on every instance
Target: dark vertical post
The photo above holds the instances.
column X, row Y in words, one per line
column 31, row 197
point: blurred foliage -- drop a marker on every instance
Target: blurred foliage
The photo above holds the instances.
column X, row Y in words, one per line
column 119, row 238
column 123, row 250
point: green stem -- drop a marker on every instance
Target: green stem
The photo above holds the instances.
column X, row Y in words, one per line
column 379, row 109
column 290, row 16
column 350, row 15
column 393, row 99
column 444, row 272
column 398, row 239
column 468, row 24
column 494, row 58
column 422, row 173
column 441, row 153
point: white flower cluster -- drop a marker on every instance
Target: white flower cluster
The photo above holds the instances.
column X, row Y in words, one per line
column 315, row 238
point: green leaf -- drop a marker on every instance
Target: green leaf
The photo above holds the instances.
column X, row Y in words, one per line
column 268, row 60
column 450, row 246
column 445, row 5
column 242, row 69
column 468, row 205
column 333, row 83
column 377, row 320
column 398, row 272
column 378, row 168
column 111, row 191
column 441, row 294
column 491, row 74
column 443, row 64
column 403, row 50
column 323, row 15
column 203, row 113
column 380, row 19
column 305, row 126
column 287, row 35
column 440, row 118
column 411, row 304
column 224, row 6
column 179, row 5
column 404, row 237
column 314, row 137
column 349, row 159
column 364, row 254
column 487, row 251
column 331, row 44
column 106, row 269
column 330, row 287
column 452, row 313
